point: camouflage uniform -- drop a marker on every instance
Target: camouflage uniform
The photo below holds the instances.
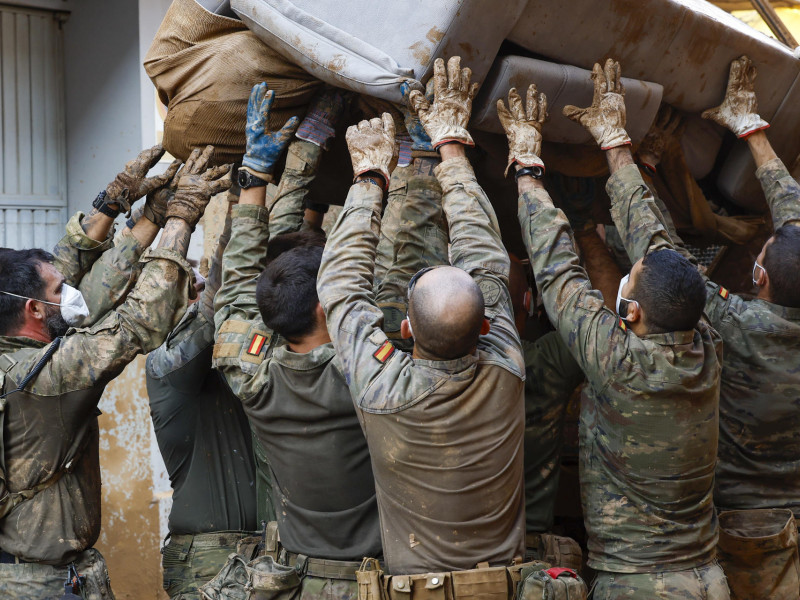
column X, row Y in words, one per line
column 61, row 523
column 196, row 416
column 649, row 419
column 298, row 404
column 445, row 437
column 287, row 206
column 551, row 375
column 412, row 238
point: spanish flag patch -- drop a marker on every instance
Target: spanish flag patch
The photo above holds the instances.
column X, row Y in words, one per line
column 385, row 352
column 256, row 344
column 723, row 293
column 622, row 324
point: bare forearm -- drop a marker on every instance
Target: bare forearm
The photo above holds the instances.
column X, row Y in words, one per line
column 254, row 195
column 600, row 265
column 97, row 225
column 760, row 148
column 176, row 236
column 618, row 158
column 145, row 231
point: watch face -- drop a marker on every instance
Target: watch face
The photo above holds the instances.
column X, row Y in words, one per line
column 243, row 179
column 538, row 172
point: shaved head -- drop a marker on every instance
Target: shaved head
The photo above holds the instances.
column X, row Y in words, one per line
column 446, row 313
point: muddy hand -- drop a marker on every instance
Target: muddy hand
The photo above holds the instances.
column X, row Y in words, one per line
column 739, row 110
column 263, row 146
column 523, row 126
column 372, row 147
column 132, row 183
column 155, row 207
column 196, row 186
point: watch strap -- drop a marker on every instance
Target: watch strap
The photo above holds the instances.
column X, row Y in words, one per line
column 102, row 205
column 536, row 172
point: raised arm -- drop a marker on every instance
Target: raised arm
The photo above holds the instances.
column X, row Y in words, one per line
column 739, row 113
column 241, row 336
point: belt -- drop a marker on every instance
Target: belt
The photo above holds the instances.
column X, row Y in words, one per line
column 321, row 567
column 10, row 559
column 210, row 540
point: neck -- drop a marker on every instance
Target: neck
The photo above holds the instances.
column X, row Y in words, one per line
column 32, row 332
column 311, row 341
column 763, row 294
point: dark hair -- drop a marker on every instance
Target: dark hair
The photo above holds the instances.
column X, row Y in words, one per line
column 19, row 274
column 297, row 239
column 671, row 292
column 286, row 292
column 782, row 263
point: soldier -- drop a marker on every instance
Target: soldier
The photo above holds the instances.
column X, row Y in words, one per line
column 649, row 420
column 53, row 377
column 444, row 424
column 274, row 351
column 759, row 456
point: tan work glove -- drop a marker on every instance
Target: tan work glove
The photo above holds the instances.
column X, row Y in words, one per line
column 196, row 185
column 605, row 118
column 523, row 126
column 446, row 119
column 372, row 147
column 668, row 125
column 738, row 111
column 132, row 183
column 155, row 207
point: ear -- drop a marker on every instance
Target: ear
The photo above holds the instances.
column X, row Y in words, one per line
column 35, row 310
column 635, row 313
column 527, row 300
column 763, row 279
column 319, row 313
column 405, row 330
column 485, row 327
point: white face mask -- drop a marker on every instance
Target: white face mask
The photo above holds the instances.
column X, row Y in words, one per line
column 757, row 266
column 73, row 306
column 408, row 320
column 620, row 297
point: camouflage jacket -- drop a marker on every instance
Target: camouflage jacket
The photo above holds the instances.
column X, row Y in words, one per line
column 300, row 410
column 649, row 422
column 55, row 419
column 440, row 509
column 104, row 272
column 759, row 452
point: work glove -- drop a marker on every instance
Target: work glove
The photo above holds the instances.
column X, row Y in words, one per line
column 420, row 140
column 523, row 126
column 196, row 185
column 446, row 119
column 264, row 147
column 319, row 124
column 668, row 125
column 133, row 183
column 155, row 207
column 372, row 147
column 738, row 111
column 605, row 118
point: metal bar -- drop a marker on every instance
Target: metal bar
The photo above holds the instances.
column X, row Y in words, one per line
column 774, row 22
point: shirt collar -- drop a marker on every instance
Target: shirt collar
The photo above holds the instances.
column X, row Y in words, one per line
column 306, row 361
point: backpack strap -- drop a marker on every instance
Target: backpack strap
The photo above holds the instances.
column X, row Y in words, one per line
column 9, row 500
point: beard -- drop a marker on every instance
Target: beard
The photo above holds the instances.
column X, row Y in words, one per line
column 55, row 323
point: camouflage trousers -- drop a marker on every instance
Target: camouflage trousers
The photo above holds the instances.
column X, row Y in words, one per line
column 33, row 581
column 325, row 588
column 758, row 551
column 702, row 583
column 189, row 561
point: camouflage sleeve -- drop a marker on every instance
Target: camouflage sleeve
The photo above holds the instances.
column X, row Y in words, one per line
column 88, row 357
column 414, row 224
column 782, row 192
column 665, row 218
column 76, row 252
column 345, row 289
column 242, row 339
column 214, row 279
column 477, row 249
column 288, row 206
column 635, row 214
column 111, row 277
column 594, row 335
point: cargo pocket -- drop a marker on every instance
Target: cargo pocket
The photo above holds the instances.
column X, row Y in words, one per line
column 481, row 584
column 370, row 580
column 267, row 580
column 176, row 562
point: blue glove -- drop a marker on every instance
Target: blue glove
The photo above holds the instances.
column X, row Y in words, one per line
column 419, row 138
column 264, row 148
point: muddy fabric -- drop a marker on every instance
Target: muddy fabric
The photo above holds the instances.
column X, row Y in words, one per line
column 441, row 510
column 555, row 550
column 64, row 519
column 204, row 66
column 190, row 561
column 322, row 588
column 413, row 236
column 76, row 252
column 46, row 582
column 287, row 206
column 202, row 433
column 301, row 411
column 758, row 551
column 706, row 582
column 551, row 375
column 649, row 420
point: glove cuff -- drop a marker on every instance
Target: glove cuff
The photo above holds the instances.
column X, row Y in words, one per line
column 523, row 160
column 156, row 217
column 750, row 125
column 452, row 133
column 613, row 139
column 257, row 167
column 382, row 171
column 317, row 132
column 260, row 174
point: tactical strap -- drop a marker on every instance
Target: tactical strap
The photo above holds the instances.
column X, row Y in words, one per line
column 11, row 499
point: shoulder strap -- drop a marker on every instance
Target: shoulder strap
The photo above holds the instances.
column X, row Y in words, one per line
column 9, row 500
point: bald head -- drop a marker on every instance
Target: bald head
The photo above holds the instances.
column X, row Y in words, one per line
column 446, row 313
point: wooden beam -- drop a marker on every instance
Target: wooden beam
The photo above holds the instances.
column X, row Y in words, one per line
column 774, row 22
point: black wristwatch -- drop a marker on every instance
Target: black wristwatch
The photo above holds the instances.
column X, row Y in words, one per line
column 535, row 171
column 101, row 204
column 247, row 180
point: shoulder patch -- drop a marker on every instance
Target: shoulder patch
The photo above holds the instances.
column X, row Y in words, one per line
column 622, row 324
column 385, row 352
column 723, row 292
column 256, row 344
column 491, row 291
